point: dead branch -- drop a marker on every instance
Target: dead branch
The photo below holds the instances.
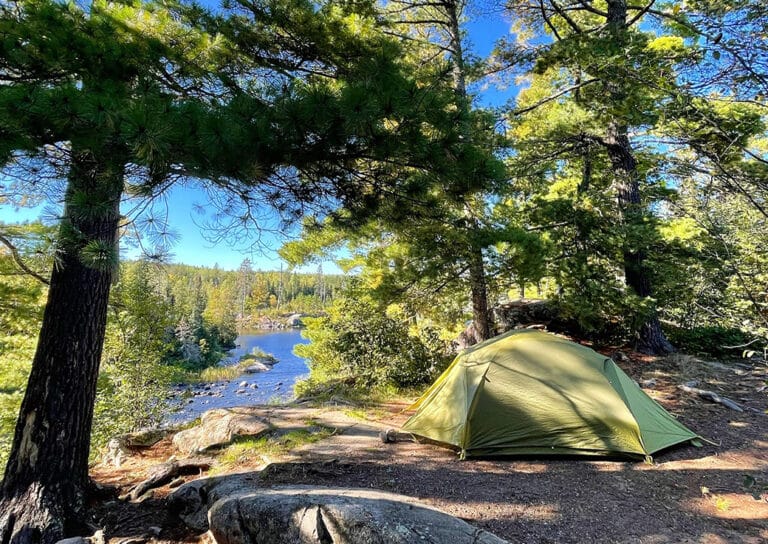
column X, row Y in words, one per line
column 711, row 396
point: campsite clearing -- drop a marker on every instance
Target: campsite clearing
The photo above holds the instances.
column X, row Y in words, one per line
column 707, row 495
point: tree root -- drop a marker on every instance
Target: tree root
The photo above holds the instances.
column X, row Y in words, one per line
column 35, row 516
column 711, row 396
column 165, row 473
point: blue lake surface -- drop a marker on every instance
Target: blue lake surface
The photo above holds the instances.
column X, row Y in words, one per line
column 274, row 385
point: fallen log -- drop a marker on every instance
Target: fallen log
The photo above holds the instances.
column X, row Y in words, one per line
column 711, row 396
column 165, row 473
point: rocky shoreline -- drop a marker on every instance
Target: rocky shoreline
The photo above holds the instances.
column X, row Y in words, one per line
column 266, row 323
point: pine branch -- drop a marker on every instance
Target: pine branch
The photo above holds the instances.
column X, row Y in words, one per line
column 640, row 13
column 576, row 28
column 547, row 21
column 590, row 8
column 555, row 96
column 714, row 39
column 20, row 262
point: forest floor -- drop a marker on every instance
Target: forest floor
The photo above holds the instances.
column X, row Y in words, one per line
column 707, row 495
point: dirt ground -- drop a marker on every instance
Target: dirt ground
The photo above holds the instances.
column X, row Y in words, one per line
column 715, row 494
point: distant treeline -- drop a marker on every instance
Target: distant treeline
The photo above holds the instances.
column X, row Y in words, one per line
column 205, row 307
column 166, row 323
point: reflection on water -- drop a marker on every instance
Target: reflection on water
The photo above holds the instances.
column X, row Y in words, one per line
column 261, row 388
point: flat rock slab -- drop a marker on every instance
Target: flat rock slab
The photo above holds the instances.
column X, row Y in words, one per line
column 239, row 512
column 218, row 428
column 257, row 367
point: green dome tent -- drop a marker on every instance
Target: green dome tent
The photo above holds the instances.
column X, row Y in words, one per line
column 529, row 393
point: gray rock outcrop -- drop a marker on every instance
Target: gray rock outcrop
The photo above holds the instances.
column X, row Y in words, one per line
column 237, row 510
column 123, row 446
column 256, row 367
column 294, row 321
column 218, row 428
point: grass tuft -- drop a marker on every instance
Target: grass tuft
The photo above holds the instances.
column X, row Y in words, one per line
column 267, row 449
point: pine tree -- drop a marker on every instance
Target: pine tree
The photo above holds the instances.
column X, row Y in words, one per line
column 131, row 83
column 613, row 79
column 84, row 81
column 416, row 250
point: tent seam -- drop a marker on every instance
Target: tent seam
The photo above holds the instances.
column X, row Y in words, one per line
column 471, row 409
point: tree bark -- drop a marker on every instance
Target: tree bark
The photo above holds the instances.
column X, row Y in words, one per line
column 651, row 338
column 42, row 494
column 480, row 315
column 482, row 322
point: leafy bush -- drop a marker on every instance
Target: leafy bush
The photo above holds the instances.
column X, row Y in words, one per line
column 133, row 382
column 709, row 340
column 601, row 310
column 358, row 342
column 21, row 304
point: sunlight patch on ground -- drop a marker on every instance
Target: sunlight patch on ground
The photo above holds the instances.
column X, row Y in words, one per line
column 546, row 512
column 610, row 466
column 532, row 468
column 755, row 460
column 729, row 506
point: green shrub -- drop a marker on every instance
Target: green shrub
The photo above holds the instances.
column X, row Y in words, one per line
column 358, row 343
column 710, row 340
column 133, row 382
column 21, row 305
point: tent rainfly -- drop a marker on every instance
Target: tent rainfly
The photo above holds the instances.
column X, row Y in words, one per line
column 528, row 392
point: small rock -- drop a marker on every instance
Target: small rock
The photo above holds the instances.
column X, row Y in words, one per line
column 388, row 436
column 219, row 427
column 154, row 531
column 145, row 497
column 73, row 540
column 240, row 391
column 253, row 386
column 648, row 384
column 243, row 384
column 134, row 540
column 257, row 367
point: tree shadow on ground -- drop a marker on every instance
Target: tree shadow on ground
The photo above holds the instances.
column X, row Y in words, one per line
column 564, row 500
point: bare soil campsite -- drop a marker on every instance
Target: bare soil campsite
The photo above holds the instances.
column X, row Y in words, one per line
column 715, row 494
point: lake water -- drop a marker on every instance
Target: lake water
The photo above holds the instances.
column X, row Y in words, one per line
column 261, row 388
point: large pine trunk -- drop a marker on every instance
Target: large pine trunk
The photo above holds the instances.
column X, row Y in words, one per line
column 47, row 473
column 650, row 336
column 480, row 315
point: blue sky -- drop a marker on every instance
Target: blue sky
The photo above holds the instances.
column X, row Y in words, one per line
column 186, row 204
